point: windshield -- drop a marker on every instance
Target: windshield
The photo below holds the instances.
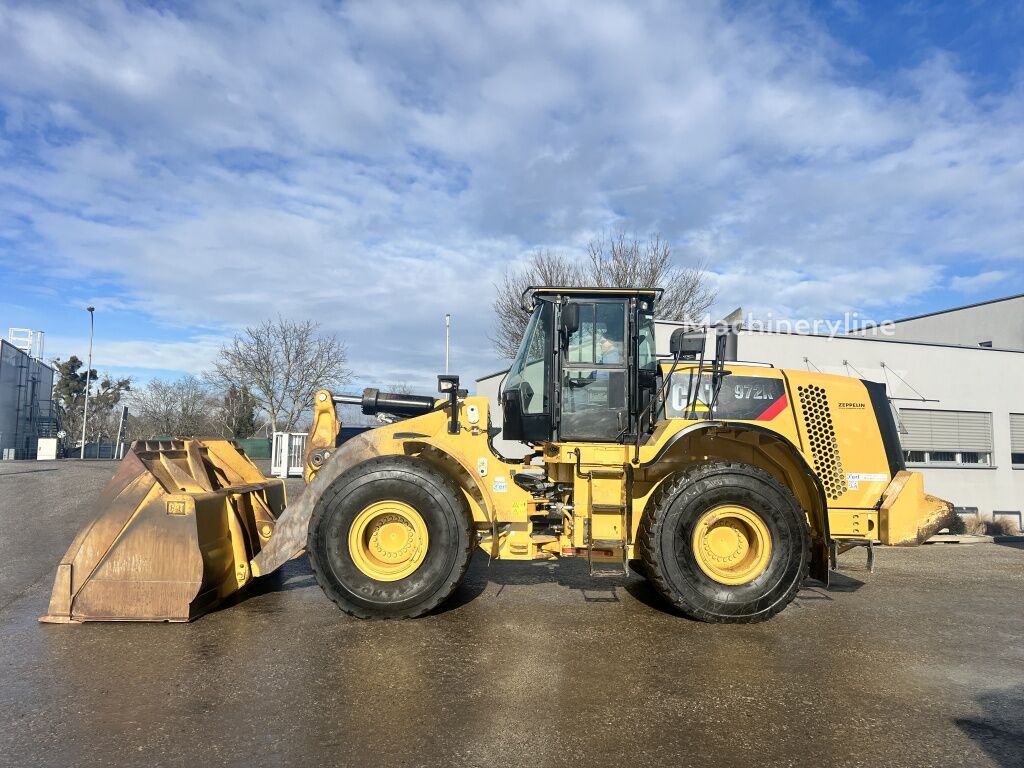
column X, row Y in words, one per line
column 531, row 370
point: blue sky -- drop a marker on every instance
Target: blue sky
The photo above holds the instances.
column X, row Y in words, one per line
column 190, row 169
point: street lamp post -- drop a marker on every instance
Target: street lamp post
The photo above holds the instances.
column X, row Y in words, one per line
column 88, row 374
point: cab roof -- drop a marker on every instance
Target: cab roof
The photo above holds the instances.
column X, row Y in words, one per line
column 596, row 292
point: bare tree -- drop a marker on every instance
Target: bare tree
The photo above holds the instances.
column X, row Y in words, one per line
column 619, row 261
column 181, row 408
column 624, row 261
column 282, row 363
column 543, row 267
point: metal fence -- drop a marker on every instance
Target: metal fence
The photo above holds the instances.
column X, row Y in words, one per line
column 97, row 450
column 287, row 456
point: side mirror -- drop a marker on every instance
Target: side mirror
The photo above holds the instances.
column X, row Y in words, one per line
column 686, row 345
column 570, row 319
column 511, row 415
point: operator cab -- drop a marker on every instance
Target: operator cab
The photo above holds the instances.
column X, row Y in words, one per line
column 586, row 369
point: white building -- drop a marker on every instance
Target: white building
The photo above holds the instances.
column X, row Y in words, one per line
column 998, row 324
column 956, row 382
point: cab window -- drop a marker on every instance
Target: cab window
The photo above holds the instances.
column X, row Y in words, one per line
column 647, row 358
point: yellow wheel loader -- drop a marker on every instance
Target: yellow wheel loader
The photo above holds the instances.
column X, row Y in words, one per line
column 726, row 484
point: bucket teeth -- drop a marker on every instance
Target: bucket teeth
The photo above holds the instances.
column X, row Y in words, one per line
column 175, row 531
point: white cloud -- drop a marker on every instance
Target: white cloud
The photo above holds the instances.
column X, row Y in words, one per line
column 193, row 354
column 978, row 282
column 375, row 165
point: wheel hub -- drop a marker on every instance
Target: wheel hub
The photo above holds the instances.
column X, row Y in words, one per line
column 732, row 544
column 388, row 540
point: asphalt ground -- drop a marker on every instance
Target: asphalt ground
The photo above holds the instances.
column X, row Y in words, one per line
column 534, row 664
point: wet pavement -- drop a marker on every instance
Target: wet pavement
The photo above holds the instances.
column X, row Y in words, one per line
column 919, row 663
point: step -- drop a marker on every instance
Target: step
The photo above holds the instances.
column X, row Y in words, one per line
column 542, row 538
column 608, row 573
column 605, row 543
column 606, row 474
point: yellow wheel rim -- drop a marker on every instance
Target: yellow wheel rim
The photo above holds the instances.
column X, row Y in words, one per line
column 732, row 545
column 388, row 540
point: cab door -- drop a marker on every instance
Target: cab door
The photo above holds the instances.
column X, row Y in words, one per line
column 593, row 376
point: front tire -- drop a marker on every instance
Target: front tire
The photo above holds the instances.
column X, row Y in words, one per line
column 390, row 538
column 725, row 542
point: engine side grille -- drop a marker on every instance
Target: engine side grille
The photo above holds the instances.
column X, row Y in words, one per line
column 822, row 436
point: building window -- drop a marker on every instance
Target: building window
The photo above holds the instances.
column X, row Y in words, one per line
column 1017, row 440
column 1014, row 517
column 971, row 458
column 946, row 438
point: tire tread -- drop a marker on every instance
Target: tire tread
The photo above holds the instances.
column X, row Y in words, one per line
column 652, row 523
column 423, row 471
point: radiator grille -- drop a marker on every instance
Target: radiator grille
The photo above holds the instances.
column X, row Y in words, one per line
column 822, row 436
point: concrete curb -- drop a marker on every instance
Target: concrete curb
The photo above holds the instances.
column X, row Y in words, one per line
column 965, row 538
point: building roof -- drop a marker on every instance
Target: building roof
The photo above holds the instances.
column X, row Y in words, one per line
column 958, row 309
column 496, row 373
column 860, row 337
column 34, row 359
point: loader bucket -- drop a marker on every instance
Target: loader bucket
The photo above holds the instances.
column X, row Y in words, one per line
column 175, row 530
column 908, row 515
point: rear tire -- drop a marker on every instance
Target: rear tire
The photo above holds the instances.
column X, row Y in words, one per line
column 765, row 576
column 437, row 510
